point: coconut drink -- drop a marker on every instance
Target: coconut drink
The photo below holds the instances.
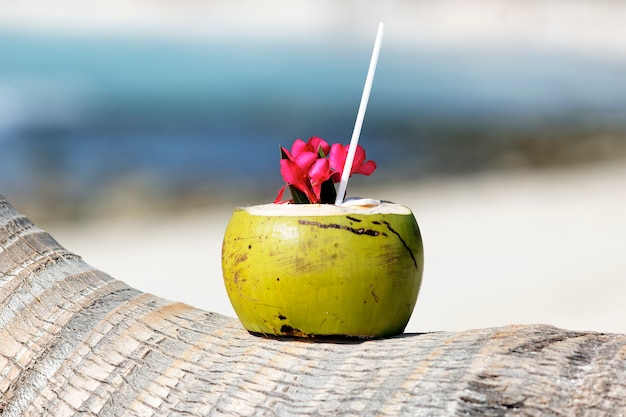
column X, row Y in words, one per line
column 309, row 267
column 319, row 265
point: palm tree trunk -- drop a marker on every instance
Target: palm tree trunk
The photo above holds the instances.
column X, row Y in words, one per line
column 74, row 341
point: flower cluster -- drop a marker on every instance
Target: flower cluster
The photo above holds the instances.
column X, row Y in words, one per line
column 311, row 168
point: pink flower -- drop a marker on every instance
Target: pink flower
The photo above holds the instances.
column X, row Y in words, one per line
column 337, row 159
column 309, row 165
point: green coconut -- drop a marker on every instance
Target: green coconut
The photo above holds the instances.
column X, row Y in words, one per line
column 310, row 270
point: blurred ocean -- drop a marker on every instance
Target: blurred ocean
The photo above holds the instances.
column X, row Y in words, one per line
column 83, row 116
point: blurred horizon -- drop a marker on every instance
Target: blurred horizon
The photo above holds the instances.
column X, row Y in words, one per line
column 165, row 106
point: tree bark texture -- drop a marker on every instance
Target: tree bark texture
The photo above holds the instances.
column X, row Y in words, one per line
column 74, row 341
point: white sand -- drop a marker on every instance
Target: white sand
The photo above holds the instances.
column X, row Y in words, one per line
column 526, row 248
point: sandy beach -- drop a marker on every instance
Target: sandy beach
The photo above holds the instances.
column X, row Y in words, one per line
column 528, row 247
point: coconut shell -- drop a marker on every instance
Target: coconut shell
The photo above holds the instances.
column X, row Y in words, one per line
column 322, row 270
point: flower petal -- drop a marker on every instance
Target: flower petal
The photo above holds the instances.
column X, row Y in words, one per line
column 337, row 157
column 367, row 168
column 319, row 172
column 290, row 171
column 298, row 147
column 317, row 143
column 279, row 197
column 359, row 158
column 305, row 160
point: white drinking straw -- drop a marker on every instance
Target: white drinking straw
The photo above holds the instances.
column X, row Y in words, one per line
column 359, row 118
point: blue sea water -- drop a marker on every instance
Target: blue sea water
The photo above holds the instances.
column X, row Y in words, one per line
column 82, row 113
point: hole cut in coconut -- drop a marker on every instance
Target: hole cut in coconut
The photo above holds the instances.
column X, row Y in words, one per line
column 353, row 206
